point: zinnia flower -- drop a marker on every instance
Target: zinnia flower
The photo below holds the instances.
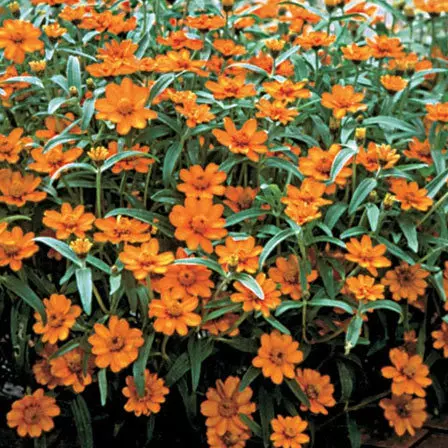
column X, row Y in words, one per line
column 277, row 356
column 51, row 161
column 343, row 99
column 198, row 222
column 240, row 255
column 441, row 339
column 228, row 439
column 224, row 404
column 393, row 83
column 383, row 46
column 121, row 229
column 288, row 432
column 202, row 183
column 115, row 345
column 318, row 389
column 33, row 414
column 437, row 112
column 16, row 246
column 125, row 105
column 408, row 373
column 60, row 314
column 12, row 145
column 153, row 396
column 17, row 190
column 363, row 287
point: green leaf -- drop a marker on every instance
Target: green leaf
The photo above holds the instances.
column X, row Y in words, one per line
column 345, row 378
column 354, row 433
column 382, row 305
column 334, row 213
column 83, row 421
column 437, row 183
column 253, row 426
column 27, row 79
column 251, row 374
column 409, row 230
column 84, row 283
column 395, row 250
column 74, row 74
column 250, row 283
column 72, row 166
column 274, row 242
column 245, row 214
column 298, row 392
column 438, row 281
column 198, row 351
column 246, row 345
column 102, row 382
column 389, row 123
column 21, row 289
column 283, row 165
column 180, row 367
column 288, row 305
column 88, row 110
column 373, row 214
column 362, row 191
column 333, row 304
column 170, row 161
column 353, row 333
column 340, row 161
column 55, row 104
column 252, row 68
column 139, row 366
column 266, row 411
column 61, row 247
column 210, row 264
column 160, row 85
column 221, row 311
column 111, row 161
column 327, row 274
column 277, row 325
column 66, row 348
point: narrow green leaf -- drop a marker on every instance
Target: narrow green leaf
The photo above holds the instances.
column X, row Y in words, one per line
column 333, row 304
column 84, row 283
column 102, row 382
column 298, row 392
column 61, row 247
column 111, row 161
column 251, row 374
column 180, row 367
column 66, row 348
column 353, row 333
column 139, row 366
column 274, row 242
column 334, row 213
column 382, row 305
column 339, row 162
column 27, row 79
column 74, row 73
column 362, row 191
column 373, row 214
column 245, row 214
column 250, row 283
column 253, row 426
column 409, row 230
column 213, row 265
column 277, row 325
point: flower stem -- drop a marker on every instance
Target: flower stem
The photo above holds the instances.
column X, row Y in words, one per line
column 433, row 209
column 98, row 192
column 99, row 299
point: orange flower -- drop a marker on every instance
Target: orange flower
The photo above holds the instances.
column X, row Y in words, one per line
column 221, row 325
column 69, row 369
column 54, row 30
column 410, row 195
column 179, row 61
column 287, row 90
column 145, row 259
column 12, row 145
column 366, row 255
column 239, row 255
column 385, row 47
column 56, row 125
column 318, row 389
column 342, row 100
column 317, row 164
column 419, row 150
column 393, row 83
column 441, row 339
column 228, row 48
column 227, row 440
column 247, row 140
column 179, row 39
column 116, row 345
column 50, row 161
column 16, row 246
column 432, row 7
column 437, row 112
column 198, row 222
column 125, row 105
column 224, row 405
column 195, row 113
column 277, row 356
column 16, row 189
column 288, row 432
column 190, row 279
column 70, row 221
column 314, row 40
column 406, row 282
column 239, row 198
column 356, row 54
column 174, row 312
column 276, row 111
column 33, row 414
column 377, row 157
column 227, row 87
column 61, row 316
column 137, row 163
column 205, row 22
column 253, row 303
column 363, row 287
column 42, row 368
column 287, row 274
column 17, row 38
column 202, row 183
column 404, row 413
column 121, row 229
column 154, row 395
column 408, row 373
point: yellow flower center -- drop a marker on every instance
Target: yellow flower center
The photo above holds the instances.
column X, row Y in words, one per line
column 125, row 106
column 233, row 260
column 290, row 432
column 175, row 309
column 227, row 408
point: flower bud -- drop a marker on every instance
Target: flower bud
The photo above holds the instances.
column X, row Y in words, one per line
column 73, row 91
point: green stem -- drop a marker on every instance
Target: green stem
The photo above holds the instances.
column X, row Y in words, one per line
column 98, row 192
column 145, row 193
column 149, row 286
column 99, row 300
column 433, row 209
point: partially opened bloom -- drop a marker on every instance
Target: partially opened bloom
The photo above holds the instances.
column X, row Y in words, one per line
column 277, row 356
column 118, row 229
column 383, row 46
column 404, row 413
column 42, row 368
column 17, row 38
column 419, row 150
column 33, row 414
column 247, row 140
column 239, row 198
column 276, row 111
column 145, row 260
column 437, row 112
column 251, row 302
column 49, row 162
column 343, row 99
column 406, row 281
column 224, row 405
column 12, row 145
column 61, row 315
column 410, row 195
column 318, row 389
column 202, row 182
column 441, row 339
column 153, row 396
column 228, row 439
column 314, row 40
column 408, row 373
column 287, row 91
column 69, row 221
column 230, row 87
column 239, row 255
column 17, row 190
column 377, row 157
column 124, row 105
column 289, row 432
column 174, row 312
column 363, row 287
column 115, row 345
column 366, row 255
column 15, row 246
column 138, row 163
column 179, row 61
column 393, row 83
column 195, row 113
column 198, row 222
column 356, row 54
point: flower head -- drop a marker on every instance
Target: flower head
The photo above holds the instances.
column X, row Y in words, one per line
column 121, row 229
column 363, row 287
column 17, row 190
column 441, row 339
column 202, row 182
column 239, row 255
column 288, row 432
column 15, row 246
column 343, row 100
